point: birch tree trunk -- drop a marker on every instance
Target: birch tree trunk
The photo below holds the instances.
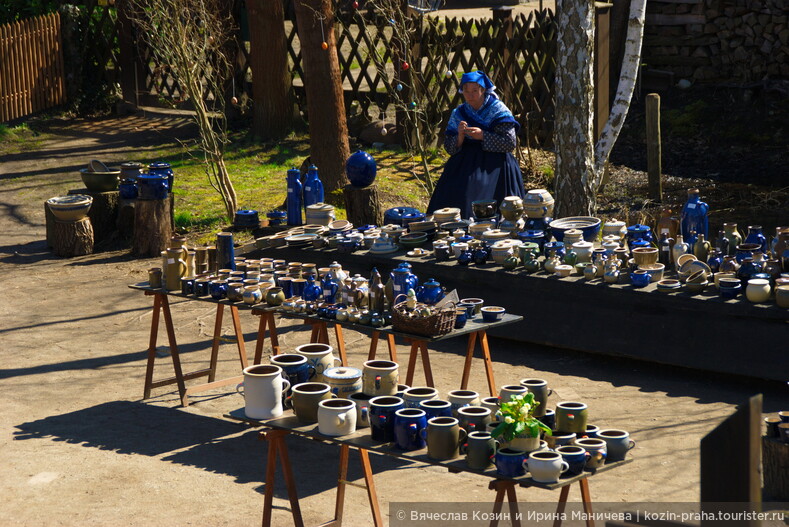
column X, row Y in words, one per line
column 272, row 105
column 579, row 167
column 575, row 177
column 325, row 104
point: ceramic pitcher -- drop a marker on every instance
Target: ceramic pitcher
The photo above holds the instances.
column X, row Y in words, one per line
column 174, row 271
column 263, row 389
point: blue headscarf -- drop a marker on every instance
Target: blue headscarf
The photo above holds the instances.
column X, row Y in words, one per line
column 492, row 112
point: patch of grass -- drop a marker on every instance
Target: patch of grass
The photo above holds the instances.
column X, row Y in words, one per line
column 21, row 138
column 258, row 172
column 686, row 121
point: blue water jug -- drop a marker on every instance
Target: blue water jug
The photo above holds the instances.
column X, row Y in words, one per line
column 694, row 218
column 313, row 187
column 294, row 197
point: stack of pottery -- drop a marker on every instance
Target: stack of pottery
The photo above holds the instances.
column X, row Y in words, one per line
column 446, row 214
column 616, row 228
column 503, row 249
column 320, row 214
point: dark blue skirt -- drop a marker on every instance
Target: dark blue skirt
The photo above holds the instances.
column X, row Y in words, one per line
column 474, row 174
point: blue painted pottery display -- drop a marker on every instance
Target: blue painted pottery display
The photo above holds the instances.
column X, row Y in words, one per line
column 639, row 278
column 360, row 169
column 589, row 225
column 538, row 224
column 746, row 250
column 382, row 414
column 161, row 168
column 151, row 186
column 694, row 217
column 395, row 215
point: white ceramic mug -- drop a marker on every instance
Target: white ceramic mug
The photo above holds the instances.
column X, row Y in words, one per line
column 336, row 417
column 263, row 389
column 546, row 466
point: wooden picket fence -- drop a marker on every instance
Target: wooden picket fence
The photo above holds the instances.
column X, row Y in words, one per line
column 31, row 66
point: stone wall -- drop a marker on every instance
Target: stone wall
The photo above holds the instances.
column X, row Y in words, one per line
column 721, row 41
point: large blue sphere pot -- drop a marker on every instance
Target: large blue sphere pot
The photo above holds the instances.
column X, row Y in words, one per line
column 361, row 169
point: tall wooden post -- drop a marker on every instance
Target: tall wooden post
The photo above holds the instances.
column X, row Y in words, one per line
column 602, row 60
column 654, row 149
column 504, row 79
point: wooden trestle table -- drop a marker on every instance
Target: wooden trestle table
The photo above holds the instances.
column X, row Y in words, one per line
column 279, row 428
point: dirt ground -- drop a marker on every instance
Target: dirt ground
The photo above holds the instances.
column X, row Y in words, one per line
column 80, row 446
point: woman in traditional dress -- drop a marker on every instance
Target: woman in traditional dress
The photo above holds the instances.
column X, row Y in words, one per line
column 480, row 138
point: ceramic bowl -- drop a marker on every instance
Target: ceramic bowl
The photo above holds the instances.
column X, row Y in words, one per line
column 729, row 287
column 698, row 265
column 685, row 259
column 100, row 181
column 476, row 302
column 654, row 270
column 452, row 226
column 668, row 285
column 484, row 208
column 422, row 226
column 697, row 277
column 492, row 313
column 70, row 208
column 413, row 240
column 694, row 288
column 588, row 224
column 719, row 276
column 563, row 270
column 340, row 226
column 645, row 255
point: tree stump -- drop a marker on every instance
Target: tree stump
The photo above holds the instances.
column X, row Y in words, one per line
column 363, row 205
column 775, row 468
column 125, row 223
column 72, row 238
column 152, row 227
column 103, row 213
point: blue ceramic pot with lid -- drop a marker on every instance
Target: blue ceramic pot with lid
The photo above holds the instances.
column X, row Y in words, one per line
column 151, row 186
column 162, row 169
column 395, row 215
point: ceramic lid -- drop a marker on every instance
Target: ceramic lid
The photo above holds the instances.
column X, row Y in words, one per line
column 342, row 372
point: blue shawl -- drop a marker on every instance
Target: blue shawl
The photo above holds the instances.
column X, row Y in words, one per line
column 492, row 112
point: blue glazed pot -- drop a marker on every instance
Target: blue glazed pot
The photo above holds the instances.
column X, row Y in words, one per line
column 756, row 236
column 408, row 426
column 127, row 189
column 360, row 169
column 436, row 408
column 556, row 248
column 312, row 291
column 382, row 415
column 162, row 169
column 509, row 462
column 246, row 219
column 534, row 236
column 151, row 186
column 639, row 279
column 638, row 232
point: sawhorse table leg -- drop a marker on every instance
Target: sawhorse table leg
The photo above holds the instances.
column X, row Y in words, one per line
column 472, row 341
column 161, row 303
column 419, row 347
column 276, row 445
column 390, row 340
column 266, row 321
column 586, row 499
column 320, row 334
column 277, row 449
column 501, row 487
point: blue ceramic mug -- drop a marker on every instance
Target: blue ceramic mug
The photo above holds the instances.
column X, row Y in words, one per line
column 382, row 415
column 436, row 408
column 408, row 426
column 295, row 367
column 217, row 289
column 575, row 457
column 510, row 462
column 460, row 318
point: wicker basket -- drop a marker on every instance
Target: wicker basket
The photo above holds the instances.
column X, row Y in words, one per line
column 439, row 323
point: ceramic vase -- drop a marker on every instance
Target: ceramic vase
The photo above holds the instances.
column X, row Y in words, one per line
column 733, row 235
column 758, row 290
